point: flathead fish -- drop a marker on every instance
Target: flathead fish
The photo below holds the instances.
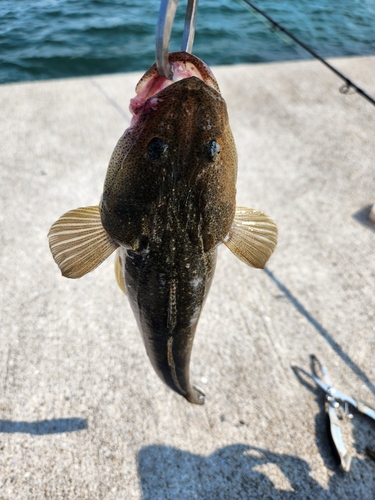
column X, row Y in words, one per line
column 169, row 200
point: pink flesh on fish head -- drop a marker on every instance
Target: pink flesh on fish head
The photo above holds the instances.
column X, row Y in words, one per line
column 183, row 65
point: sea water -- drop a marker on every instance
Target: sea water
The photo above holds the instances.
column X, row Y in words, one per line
column 41, row 39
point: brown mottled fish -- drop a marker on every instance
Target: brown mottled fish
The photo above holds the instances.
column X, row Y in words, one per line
column 168, row 202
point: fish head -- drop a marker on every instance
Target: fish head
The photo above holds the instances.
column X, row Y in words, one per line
column 178, row 152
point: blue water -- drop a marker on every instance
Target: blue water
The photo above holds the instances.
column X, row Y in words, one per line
column 41, row 39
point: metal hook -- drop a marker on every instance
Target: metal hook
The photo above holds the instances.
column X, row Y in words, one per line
column 189, row 28
column 167, row 14
column 347, row 88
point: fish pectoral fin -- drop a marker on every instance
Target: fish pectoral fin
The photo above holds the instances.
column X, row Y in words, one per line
column 252, row 237
column 118, row 272
column 79, row 243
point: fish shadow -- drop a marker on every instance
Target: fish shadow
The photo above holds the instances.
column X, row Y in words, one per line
column 243, row 472
column 42, row 427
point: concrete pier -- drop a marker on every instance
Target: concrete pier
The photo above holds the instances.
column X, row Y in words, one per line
column 82, row 413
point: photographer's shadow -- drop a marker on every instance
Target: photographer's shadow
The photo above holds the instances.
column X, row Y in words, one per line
column 243, row 472
column 231, row 472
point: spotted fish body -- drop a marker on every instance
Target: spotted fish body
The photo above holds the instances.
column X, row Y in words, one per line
column 168, row 202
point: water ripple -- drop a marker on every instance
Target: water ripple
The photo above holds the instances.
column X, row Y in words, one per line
column 63, row 38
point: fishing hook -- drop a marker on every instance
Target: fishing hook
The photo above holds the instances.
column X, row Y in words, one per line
column 167, row 14
column 347, row 89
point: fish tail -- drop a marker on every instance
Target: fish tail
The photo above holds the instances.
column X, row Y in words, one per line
column 179, row 364
column 171, row 362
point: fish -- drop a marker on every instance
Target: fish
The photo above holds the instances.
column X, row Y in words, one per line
column 168, row 202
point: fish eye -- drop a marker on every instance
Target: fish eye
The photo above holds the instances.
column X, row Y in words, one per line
column 156, row 148
column 211, row 149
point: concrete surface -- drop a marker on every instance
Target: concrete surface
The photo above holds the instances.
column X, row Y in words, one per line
column 83, row 415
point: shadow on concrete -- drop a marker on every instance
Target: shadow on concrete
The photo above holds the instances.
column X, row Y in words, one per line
column 111, row 101
column 323, row 332
column 41, row 427
column 362, row 217
column 239, row 472
column 230, row 472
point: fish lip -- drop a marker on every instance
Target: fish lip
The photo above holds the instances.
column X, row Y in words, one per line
column 205, row 73
column 203, row 69
column 183, row 66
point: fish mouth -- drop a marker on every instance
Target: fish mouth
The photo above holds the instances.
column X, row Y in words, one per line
column 183, row 65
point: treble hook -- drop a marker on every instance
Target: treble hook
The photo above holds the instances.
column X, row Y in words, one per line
column 164, row 29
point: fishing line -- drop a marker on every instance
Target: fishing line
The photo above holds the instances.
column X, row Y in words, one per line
column 278, row 29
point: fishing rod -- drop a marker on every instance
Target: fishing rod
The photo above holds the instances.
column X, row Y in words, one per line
column 345, row 88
